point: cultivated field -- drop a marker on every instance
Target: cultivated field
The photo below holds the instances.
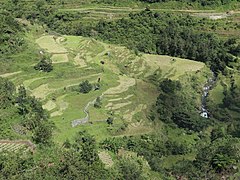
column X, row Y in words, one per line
column 14, row 146
column 126, row 93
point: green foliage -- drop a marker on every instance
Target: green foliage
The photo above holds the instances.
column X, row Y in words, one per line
column 169, row 86
column 43, row 133
column 221, row 162
column 151, row 32
column 130, row 169
column 186, row 168
column 31, row 110
column 7, row 90
column 151, row 147
column 56, row 163
column 218, row 132
column 148, row 32
column 85, row 87
column 231, row 99
column 11, row 39
column 176, row 148
column 217, row 157
column 98, row 103
column 12, row 164
column 19, row 108
column 174, row 106
column 82, row 161
column 44, row 65
column 190, row 120
column 213, row 3
column 110, row 120
column 220, row 156
column 229, row 109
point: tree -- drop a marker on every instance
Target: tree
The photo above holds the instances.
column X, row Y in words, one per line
column 110, row 120
column 22, row 100
column 86, row 144
column 81, row 161
column 34, row 113
column 130, row 169
column 43, row 133
column 221, row 162
column 7, row 90
column 168, row 86
column 85, row 87
column 218, row 132
column 44, row 65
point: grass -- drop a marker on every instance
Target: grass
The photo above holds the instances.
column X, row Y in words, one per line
column 59, row 58
column 123, row 76
column 169, row 161
column 48, row 43
column 216, row 94
column 171, row 66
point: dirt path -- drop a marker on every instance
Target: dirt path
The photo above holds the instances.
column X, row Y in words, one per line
column 10, row 74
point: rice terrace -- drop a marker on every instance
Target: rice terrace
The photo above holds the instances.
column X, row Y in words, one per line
column 132, row 89
column 120, row 85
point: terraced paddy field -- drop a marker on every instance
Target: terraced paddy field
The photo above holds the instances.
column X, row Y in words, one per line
column 14, row 146
column 226, row 22
column 125, row 90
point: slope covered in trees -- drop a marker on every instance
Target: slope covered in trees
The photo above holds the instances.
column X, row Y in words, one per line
column 148, row 32
column 10, row 34
column 22, row 116
column 201, row 2
column 151, row 32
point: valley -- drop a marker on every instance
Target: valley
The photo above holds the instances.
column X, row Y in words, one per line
column 123, row 80
column 123, row 89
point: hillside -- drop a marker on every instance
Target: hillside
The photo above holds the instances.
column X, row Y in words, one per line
column 119, row 89
column 124, row 77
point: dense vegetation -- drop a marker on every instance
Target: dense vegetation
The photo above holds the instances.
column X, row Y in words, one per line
column 212, row 158
column 74, row 161
column 85, row 87
column 166, row 34
column 148, row 32
column 201, row 2
column 174, row 107
column 10, row 34
column 24, row 113
column 45, row 64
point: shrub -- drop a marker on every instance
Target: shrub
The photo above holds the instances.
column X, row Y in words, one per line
column 85, row 87
column 44, row 65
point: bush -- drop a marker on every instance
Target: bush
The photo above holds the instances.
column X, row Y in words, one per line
column 44, row 65
column 110, row 120
column 85, row 87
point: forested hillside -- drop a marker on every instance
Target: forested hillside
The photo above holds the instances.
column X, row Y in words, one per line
column 10, row 34
column 132, row 89
column 202, row 2
column 165, row 34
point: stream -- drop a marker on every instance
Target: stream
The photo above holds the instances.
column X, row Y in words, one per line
column 207, row 87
